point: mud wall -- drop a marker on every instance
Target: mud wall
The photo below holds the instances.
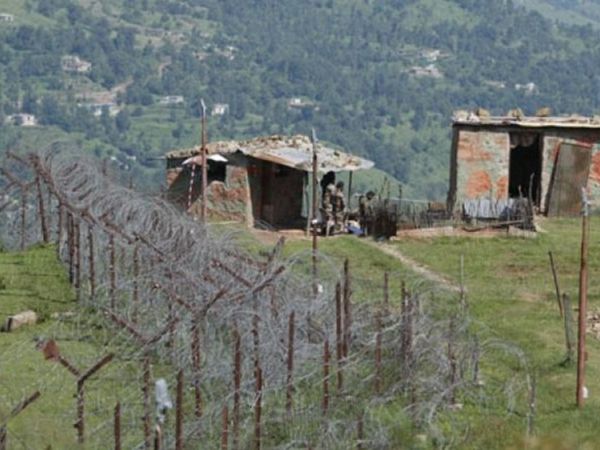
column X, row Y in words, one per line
column 480, row 161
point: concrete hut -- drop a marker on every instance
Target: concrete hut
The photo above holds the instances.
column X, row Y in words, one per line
column 258, row 181
column 495, row 160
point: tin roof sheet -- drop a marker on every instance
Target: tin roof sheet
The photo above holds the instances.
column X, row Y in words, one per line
column 291, row 151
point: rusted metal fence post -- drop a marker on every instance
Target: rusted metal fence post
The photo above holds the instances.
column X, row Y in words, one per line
column 314, row 213
column 80, row 424
column 42, row 211
column 146, row 393
column 59, row 227
column 117, row 426
column 157, row 438
column 224, row 428
column 23, row 216
column 179, row 412
column 145, row 342
column 326, row 359
column 360, row 433
column 91, row 262
column 15, row 412
column 112, row 270
column 204, row 151
column 81, row 378
column 568, row 324
column 196, row 365
column 386, row 290
column 135, row 296
column 71, row 247
column 583, row 288
column 452, row 361
column 290, row 364
column 556, row 287
column 347, row 309
column 258, row 409
column 339, row 343
column 378, row 368
column 237, row 380
column 77, row 252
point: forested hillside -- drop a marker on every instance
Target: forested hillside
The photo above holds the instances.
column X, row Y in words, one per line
column 380, row 78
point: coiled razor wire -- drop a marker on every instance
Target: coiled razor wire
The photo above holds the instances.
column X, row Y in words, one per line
column 157, row 272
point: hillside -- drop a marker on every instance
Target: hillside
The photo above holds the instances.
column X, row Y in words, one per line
column 575, row 12
column 377, row 78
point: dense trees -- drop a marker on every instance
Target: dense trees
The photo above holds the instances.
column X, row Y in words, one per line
column 349, row 60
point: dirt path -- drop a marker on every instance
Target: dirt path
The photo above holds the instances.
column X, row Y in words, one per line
column 415, row 266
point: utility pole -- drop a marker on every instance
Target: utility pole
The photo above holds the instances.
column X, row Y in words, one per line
column 314, row 210
column 583, row 287
column 204, row 161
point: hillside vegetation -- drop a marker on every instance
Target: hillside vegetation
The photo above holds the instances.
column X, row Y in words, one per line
column 378, row 78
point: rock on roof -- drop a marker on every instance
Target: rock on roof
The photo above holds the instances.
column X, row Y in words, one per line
column 291, row 151
column 573, row 121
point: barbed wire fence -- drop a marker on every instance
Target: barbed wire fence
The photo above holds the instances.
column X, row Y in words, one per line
column 260, row 359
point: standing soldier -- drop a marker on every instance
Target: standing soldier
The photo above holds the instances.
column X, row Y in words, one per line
column 365, row 212
column 339, row 206
column 328, row 206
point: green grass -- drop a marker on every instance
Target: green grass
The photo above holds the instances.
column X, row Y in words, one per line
column 511, row 294
column 511, row 298
column 35, row 280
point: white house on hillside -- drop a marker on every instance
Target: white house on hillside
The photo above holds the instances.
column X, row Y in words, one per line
column 219, row 109
column 22, row 120
column 72, row 63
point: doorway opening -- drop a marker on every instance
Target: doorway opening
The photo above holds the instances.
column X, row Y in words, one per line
column 525, row 166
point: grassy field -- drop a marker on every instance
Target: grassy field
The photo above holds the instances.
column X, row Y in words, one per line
column 511, row 298
column 511, row 294
column 35, row 280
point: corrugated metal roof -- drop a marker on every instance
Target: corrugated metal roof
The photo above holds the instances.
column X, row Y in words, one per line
column 291, row 151
column 574, row 121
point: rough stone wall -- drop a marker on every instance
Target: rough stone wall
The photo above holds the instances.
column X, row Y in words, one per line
column 482, row 164
column 226, row 201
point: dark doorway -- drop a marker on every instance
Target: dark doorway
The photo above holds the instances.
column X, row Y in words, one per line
column 525, row 167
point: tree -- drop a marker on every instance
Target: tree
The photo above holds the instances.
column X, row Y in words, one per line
column 123, row 121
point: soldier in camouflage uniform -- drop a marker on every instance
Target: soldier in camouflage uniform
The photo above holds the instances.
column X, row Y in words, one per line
column 339, row 207
column 327, row 206
column 365, row 212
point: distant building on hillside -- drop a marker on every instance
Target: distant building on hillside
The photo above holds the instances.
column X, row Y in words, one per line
column 72, row 63
column 528, row 88
column 430, row 71
column 299, row 103
column 22, row 120
column 219, row 109
column 172, row 100
column 4, row 17
column 496, row 160
column 97, row 109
